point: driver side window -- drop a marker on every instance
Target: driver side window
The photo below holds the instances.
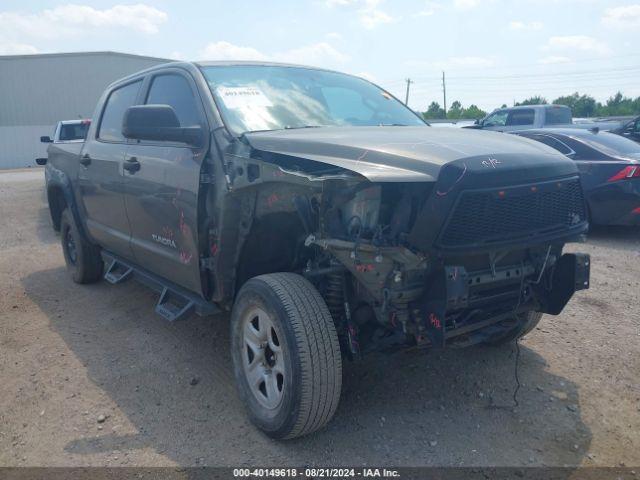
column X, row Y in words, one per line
column 497, row 119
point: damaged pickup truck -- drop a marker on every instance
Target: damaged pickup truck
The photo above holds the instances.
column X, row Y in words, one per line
column 324, row 214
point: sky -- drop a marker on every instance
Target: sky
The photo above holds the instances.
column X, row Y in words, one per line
column 492, row 51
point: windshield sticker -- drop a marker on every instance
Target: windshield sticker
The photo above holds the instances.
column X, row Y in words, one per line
column 242, row 97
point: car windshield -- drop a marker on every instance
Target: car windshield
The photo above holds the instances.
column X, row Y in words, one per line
column 266, row 97
column 612, row 145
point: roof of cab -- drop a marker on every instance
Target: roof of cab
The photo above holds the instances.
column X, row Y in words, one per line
column 220, row 63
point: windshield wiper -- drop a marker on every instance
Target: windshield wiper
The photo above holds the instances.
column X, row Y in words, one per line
column 289, row 127
column 393, row 125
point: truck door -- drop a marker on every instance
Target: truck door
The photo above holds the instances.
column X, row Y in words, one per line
column 100, row 177
column 161, row 187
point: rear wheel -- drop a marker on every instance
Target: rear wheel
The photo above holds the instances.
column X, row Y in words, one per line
column 286, row 356
column 82, row 258
column 526, row 322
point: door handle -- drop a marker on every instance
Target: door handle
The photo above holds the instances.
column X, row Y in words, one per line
column 85, row 160
column 131, row 165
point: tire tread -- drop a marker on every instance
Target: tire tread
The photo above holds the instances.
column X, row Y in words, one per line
column 320, row 358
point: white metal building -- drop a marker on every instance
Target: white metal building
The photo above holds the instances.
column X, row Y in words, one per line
column 36, row 91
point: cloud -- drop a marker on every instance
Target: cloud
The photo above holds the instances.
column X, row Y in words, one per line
column 333, row 36
column 339, row 3
column 627, row 16
column 227, row 51
column 429, row 9
column 72, row 19
column 371, row 16
column 553, row 60
column 581, row 43
column 314, row 54
column 366, row 76
column 518, row 25
column 17, row 49
column 369, row 13
column 177, row 55
column 321, row 54
column 465, row 4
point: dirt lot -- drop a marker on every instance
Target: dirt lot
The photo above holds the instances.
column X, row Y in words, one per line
column 71, row 353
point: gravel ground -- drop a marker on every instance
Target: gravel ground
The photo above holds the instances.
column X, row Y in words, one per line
column 92, row 377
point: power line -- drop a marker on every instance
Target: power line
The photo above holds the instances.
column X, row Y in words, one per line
column 542, row 75
column 530, row 66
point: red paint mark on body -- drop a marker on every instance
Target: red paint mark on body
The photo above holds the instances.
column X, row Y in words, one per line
column 434, row 321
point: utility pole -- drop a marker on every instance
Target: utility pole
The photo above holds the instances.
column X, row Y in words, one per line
column 406, row 98
column 444, row 92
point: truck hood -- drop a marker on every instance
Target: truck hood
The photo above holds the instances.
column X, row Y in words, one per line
column 416, row 154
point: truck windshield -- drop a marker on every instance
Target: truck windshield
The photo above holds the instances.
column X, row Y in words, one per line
column 265, row 97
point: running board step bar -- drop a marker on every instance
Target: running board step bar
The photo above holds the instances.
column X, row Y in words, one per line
column 175, row 303
column 117, row 272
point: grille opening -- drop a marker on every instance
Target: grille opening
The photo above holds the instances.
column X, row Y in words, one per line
column 506, row 214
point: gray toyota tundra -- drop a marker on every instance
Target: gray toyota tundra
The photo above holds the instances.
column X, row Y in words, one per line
column 327, row 217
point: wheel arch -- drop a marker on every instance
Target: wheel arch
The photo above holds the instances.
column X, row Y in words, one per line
column 60, row 196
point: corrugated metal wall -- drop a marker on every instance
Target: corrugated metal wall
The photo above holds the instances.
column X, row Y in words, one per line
column 36, row 91
column 20, row 146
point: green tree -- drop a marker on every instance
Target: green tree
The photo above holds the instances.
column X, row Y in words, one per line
column 473, row 112
column 434, row 111
column 618, row 105
column 535, row 100
column 581, row 105
column 456, row 111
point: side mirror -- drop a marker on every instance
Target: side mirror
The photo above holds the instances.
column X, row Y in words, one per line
column 158, row 122
column 46, row 139
column 41, row 161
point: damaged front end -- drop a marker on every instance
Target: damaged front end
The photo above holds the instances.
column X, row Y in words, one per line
column 452, row 262
column 411, row 270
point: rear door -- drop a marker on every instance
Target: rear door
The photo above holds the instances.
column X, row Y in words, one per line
column 100, row 175
column 161, row 196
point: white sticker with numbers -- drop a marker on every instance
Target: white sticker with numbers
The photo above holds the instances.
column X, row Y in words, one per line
column 242, row 97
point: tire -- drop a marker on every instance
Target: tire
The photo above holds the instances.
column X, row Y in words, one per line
column 527, row 322
column 83, row 259
column 286, row 355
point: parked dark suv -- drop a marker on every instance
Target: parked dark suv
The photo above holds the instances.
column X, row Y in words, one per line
column 325, row 215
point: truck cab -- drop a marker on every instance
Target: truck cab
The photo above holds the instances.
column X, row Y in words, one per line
column 526, row 116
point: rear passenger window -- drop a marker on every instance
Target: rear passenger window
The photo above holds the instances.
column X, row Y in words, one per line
column 175, row 91
column 117, row 103
column 554, row 143
column 521, row 117
column 557, row 116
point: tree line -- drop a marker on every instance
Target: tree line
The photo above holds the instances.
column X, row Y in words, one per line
column 581, row 106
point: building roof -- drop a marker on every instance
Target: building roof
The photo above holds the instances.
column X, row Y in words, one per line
column 79, row 54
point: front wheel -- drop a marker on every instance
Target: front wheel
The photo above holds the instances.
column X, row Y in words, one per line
column 286, row 355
